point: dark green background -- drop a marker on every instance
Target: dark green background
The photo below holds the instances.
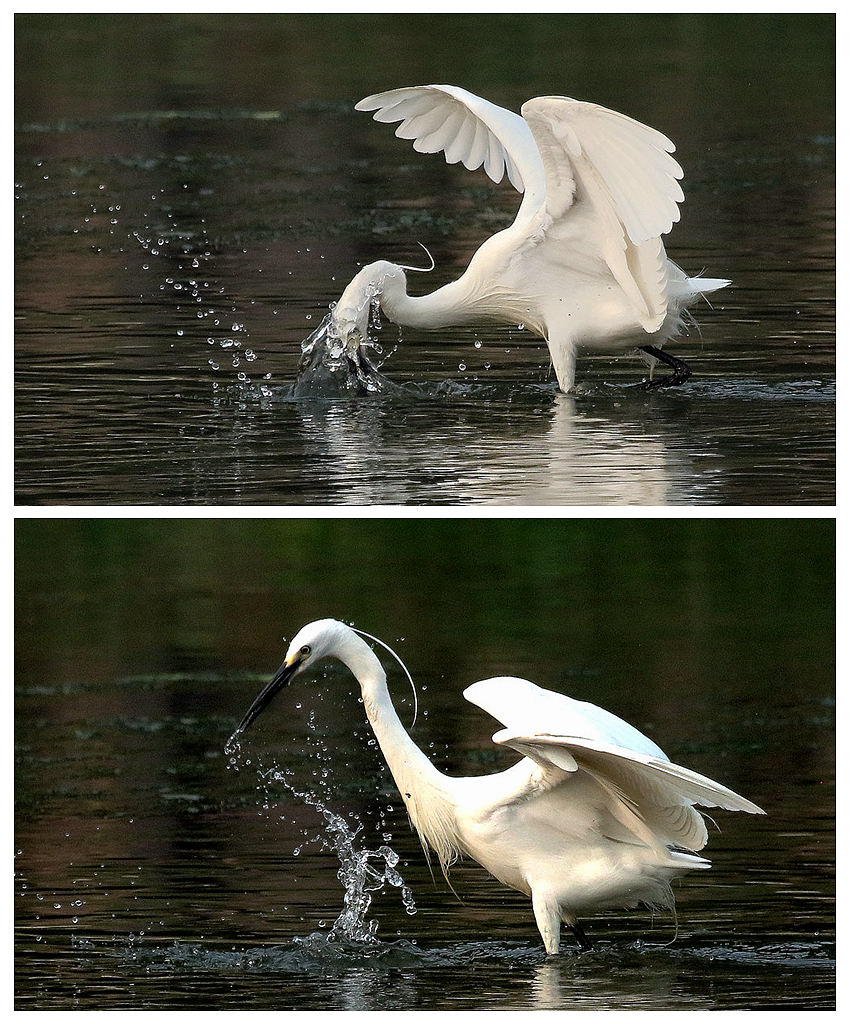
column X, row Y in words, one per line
column 735, row 605
column 97, row 62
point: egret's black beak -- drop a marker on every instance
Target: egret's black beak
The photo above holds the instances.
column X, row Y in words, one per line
column 283, row 675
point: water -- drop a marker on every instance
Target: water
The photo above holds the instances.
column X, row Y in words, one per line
column 185, row 220
column 153, row 872
column 362, row 872
column 330, row 369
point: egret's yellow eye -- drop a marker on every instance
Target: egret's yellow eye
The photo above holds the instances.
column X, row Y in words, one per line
column 305, row 650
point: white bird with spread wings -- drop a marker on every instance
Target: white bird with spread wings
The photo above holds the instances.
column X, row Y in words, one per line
column 583, row 264
column 593, row 816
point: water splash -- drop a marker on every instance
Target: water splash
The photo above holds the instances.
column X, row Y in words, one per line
column 330, row 368
column 363, row 872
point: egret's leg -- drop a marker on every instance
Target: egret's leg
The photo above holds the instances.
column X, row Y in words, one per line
column 547, row 914
column 581, row 936
column 681, row 370
column 577, row 930
column 563, row 355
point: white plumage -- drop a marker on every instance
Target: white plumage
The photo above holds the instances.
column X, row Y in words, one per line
column 594, row 815
column 583, row 264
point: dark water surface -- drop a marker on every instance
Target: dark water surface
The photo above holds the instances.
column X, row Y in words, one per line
column 193, row 191
column 153, row 873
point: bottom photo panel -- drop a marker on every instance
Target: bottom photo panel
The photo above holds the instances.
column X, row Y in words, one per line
column 424, row 764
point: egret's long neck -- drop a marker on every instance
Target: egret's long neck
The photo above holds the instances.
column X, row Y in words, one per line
column 449, row 306
column 406, row 761
column 424, row 789
column 452, row 304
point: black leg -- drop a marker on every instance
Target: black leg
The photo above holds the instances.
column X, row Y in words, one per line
column 681, row 370
column 581, row 936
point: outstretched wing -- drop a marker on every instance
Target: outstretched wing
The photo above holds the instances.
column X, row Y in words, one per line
column 625, row 170
column 626, row 165
column 655, row 798
column 525, row 707
column 468, row 129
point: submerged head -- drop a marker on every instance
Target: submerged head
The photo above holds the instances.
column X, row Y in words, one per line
column 350, row 317
column 316, row 640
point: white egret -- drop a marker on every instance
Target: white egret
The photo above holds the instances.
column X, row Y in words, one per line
column 582, row 265
column 593, row 816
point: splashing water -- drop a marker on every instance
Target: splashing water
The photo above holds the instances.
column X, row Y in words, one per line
column 331, row 368
column 362, row 872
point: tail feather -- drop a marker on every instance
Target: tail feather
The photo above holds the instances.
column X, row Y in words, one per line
column 703, row 285
column 684, row 860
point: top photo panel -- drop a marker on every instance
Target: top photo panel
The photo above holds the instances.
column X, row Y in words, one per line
column 518, row 260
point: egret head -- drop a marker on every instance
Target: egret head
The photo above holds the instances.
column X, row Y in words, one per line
column 313, row 642
column 324, row 638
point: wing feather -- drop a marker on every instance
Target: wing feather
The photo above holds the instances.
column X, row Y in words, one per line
column 626, row 171
column 459, row 147
column 421, row 125
column 468, row 129
column 479, row 147
column 662, row 793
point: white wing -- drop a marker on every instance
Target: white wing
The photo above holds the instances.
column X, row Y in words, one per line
column 468, row 129
column 625, row 171
column 628, row 162
column 523, row 706
column 655, row 797
column 559, row 153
